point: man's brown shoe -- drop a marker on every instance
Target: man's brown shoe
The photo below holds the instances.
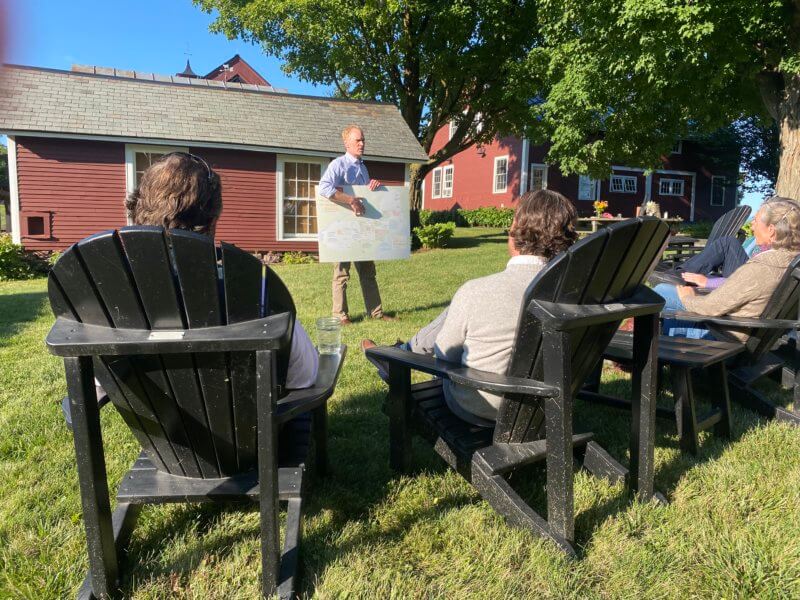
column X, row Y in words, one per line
column 346, row 321
column 385, row 318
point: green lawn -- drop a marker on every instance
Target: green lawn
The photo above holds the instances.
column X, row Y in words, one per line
column 731, row 530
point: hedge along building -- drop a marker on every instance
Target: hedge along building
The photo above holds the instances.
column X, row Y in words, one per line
column 79, row 140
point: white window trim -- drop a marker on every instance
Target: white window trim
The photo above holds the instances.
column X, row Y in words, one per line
column 452, row 126
column 679, row 150
column 542, row 166
column 280, row 161
column 448, row 192
column 434, row 173
column 13, row 191
column 671, row 181
column 623, row 179
column 130, row 163
column 495, row 189
column 724, row 191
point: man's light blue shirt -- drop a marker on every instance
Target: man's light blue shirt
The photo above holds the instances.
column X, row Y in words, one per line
column 344, row 170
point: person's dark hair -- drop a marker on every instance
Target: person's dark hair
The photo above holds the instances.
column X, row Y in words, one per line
column 180, row 191
column 544, row 224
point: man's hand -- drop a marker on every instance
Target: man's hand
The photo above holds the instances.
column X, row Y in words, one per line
column 374, row 184
column 357, row 206
column 685, row 291
column 696, row 278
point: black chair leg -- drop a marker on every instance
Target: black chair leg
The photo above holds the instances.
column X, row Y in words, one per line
column 724, row 427
column 684, row 399
column 320, row 425
column 103, row 563
column 399, row 409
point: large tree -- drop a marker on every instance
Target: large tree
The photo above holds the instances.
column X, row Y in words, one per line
column 437, row 60
column 631, row 76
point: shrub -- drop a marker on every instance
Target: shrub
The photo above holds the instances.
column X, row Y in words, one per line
column 15, row 263
column 435, row 235
column 297, row 258
column 748, row 229
column 488, row 216
column 698, row 229
column 430, row 217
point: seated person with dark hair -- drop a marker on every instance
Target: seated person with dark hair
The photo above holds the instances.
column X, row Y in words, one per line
column 479, row 327
column 180, row 191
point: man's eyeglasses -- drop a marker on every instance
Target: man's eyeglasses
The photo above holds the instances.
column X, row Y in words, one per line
column 193, row 158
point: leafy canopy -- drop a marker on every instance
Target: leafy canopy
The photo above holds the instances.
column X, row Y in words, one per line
column 631, row 76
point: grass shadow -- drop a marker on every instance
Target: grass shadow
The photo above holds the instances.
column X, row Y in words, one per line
column 17, row 310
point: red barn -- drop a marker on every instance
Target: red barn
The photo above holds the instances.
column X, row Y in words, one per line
column 690, row 183
column 78, row 141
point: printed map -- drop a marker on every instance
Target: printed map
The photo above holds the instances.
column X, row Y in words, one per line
column 381, row 233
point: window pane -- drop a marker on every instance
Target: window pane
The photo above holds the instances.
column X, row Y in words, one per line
column 312, row 225
column 290, row 189
column 302, row 189
column 290, row 170
column 302, row 170
column 288, row 225
column 315, row 172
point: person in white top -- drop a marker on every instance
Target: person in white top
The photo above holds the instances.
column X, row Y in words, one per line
column 479, row 327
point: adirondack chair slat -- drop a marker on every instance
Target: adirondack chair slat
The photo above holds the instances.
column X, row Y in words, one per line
column 195, row 262
column 244, row 281
column 108, row 267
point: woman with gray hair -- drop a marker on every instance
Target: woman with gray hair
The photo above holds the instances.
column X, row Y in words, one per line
column 746, row 292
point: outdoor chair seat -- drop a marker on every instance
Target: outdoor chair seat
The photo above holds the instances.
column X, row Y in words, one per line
column 569, row 314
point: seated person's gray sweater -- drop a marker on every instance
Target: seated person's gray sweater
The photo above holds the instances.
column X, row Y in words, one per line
column 479, row 330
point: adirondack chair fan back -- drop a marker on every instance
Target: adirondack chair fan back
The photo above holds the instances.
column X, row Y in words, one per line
column 193, row 414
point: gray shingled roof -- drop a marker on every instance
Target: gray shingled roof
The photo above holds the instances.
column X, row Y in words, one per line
column 65, row 102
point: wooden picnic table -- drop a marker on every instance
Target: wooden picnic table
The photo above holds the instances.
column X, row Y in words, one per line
column 596, row 222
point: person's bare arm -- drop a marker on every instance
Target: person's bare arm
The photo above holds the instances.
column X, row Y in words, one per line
column 352, row 202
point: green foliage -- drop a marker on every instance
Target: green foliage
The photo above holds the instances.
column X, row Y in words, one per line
column 435, row 235
column 748, row 229
column 15, row 263
column 53, row 258
column 488, row 216
column 429, row 217
column 698, row 229
column 297, row 258
column 630, row 77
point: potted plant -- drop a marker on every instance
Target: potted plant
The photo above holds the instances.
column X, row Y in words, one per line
column 599, row 207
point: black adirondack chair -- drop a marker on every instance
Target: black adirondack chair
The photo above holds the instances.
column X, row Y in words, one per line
column 571, row 311
column 193, row 362
column 734, row 365
column 729, row 224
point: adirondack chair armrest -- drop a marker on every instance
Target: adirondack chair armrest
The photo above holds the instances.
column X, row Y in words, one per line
column 740, row 322
column 71, row 338
column 296, row 402
column 458, row 373
column 564, row 317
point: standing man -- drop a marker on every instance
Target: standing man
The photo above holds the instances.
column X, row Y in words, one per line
column 349, row 169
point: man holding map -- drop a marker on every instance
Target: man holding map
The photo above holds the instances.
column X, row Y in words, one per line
column 349, row 169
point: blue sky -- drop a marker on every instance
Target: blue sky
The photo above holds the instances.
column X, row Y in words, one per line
column 144, row 35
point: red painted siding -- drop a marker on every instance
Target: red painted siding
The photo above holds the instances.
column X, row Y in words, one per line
column 80, row 184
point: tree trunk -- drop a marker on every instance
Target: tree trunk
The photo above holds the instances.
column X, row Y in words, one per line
column 788, row 184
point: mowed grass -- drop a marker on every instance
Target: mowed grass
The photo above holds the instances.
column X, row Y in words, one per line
column 731, row 530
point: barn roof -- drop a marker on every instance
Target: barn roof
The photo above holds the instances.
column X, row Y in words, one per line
column 47, row 101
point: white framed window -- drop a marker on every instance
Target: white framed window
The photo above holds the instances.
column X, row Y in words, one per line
column 718, row 190
column 623, row 184
column 587, row 188
column 677, row 147
column 538, row 177
column 452, row 130
column 500, row 178
column 138, row 159
column 436, row 183
column 447, row 181
column 297, row 178
column 670, row 187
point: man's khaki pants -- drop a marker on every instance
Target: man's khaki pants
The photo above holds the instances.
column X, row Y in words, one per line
column 369, row 287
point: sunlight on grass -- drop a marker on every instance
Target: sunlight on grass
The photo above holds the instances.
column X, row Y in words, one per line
column 732, row 529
